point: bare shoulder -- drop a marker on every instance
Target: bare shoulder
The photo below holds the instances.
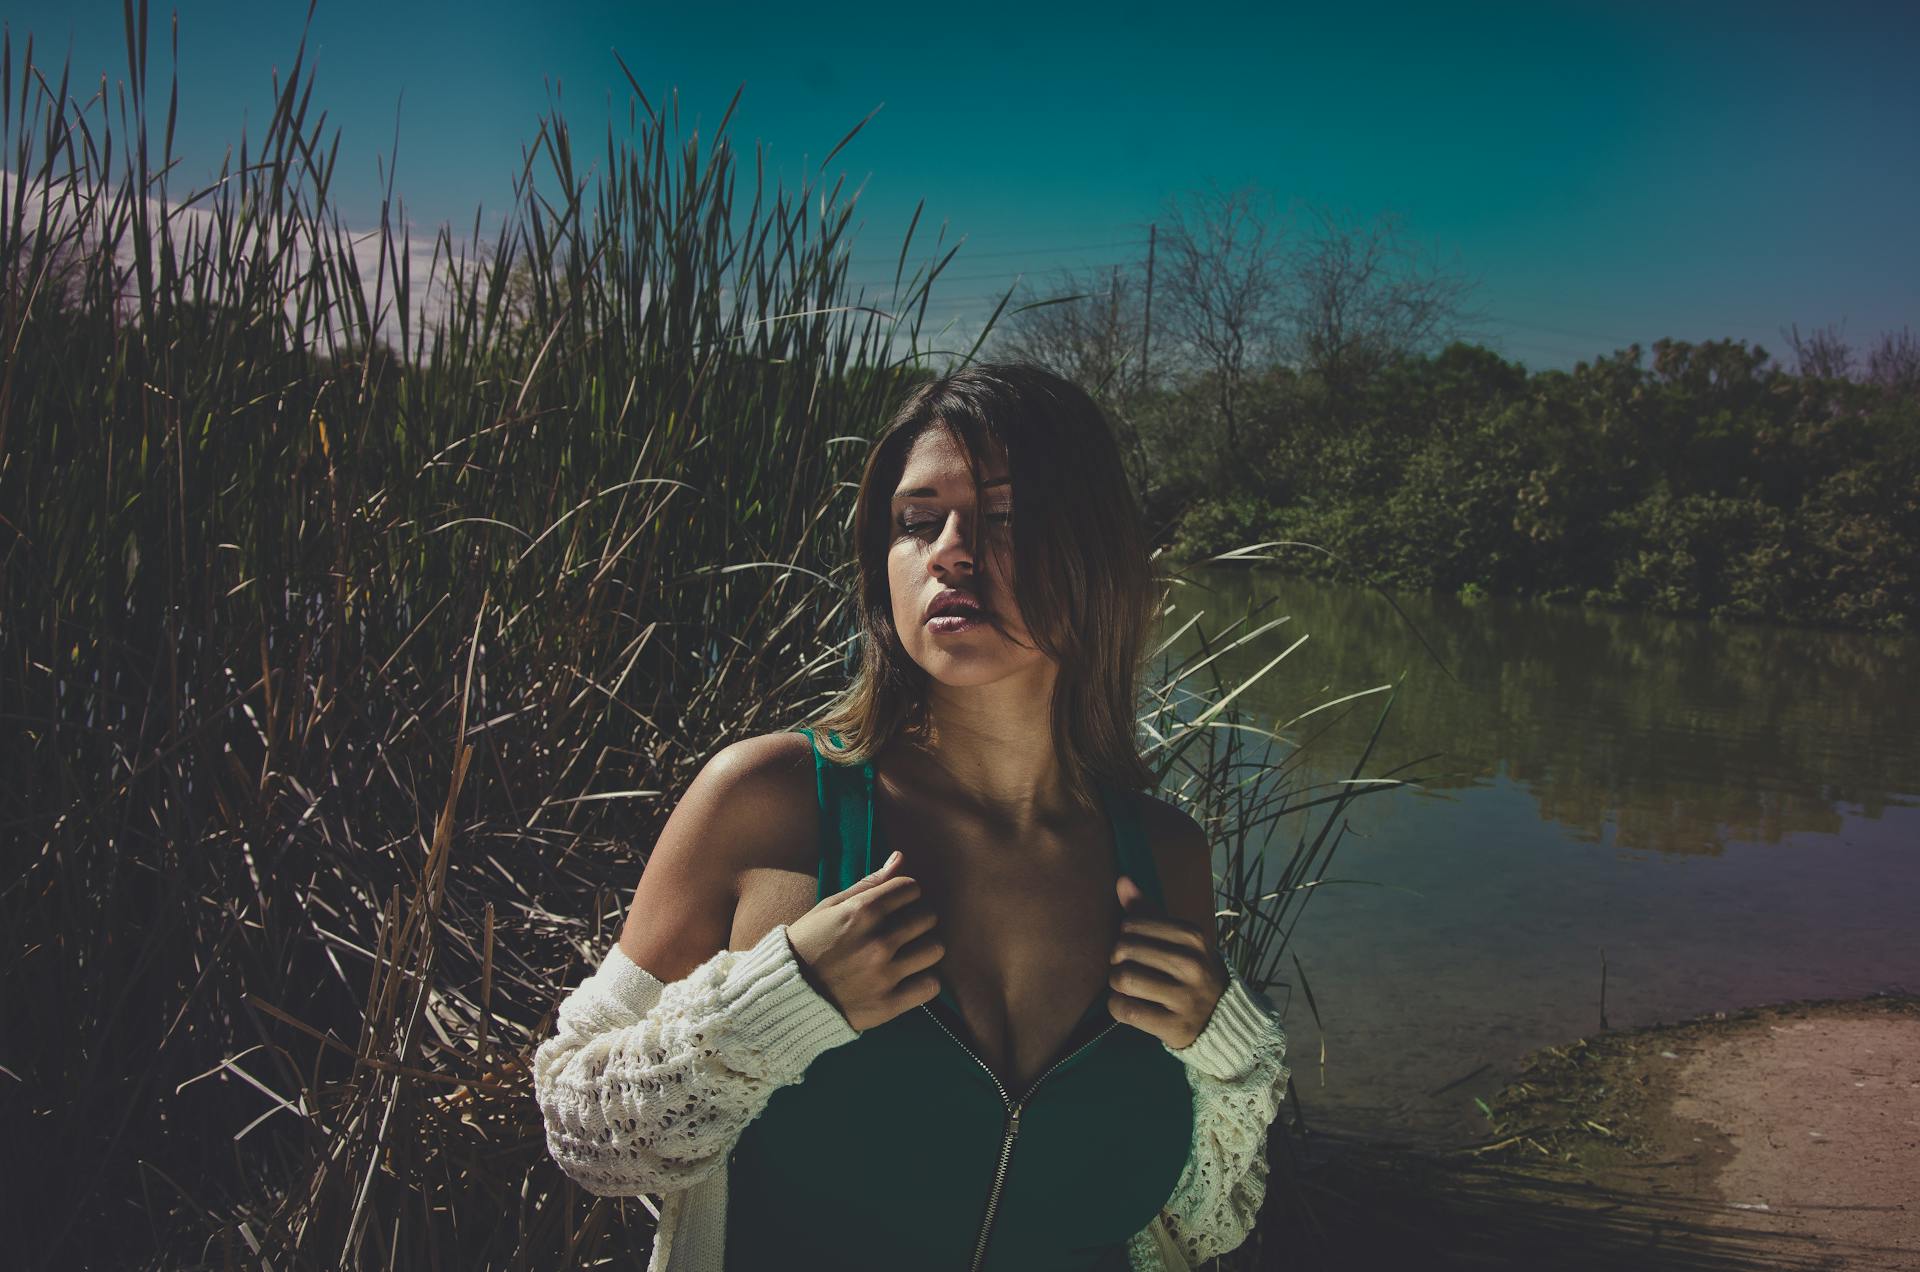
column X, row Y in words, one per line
column 767, row 777
column 758, row 793
column 749, row 809
column 1183, row 855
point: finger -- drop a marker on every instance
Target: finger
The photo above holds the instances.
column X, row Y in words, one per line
column 1147, row 984
column 1134, row 899
column 909, row 922
column 1172, row 931
column 920, row 953
column 922, row 987
column 1181, row 962
column 1179, row 965
column 1138, row 1012
column 885, row 872
column 883, row 899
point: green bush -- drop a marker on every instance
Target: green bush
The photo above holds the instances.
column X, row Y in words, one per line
column 1705, row 483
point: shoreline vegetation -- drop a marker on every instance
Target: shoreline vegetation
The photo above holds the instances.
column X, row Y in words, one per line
column 1704, row 485
column 347, row 677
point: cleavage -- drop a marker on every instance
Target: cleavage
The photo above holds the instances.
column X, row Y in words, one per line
column 983, row 897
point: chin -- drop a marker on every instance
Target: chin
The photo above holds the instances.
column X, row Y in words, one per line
column 961, row 668
column 962, row 673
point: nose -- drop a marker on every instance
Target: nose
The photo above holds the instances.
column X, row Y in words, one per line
column 950, row 551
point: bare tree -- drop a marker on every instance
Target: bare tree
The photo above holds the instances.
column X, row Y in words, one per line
column 1361, row 297
column 1239, row 291
column 1084, row 326
column 1225, row 274
column 1823, row 354
column 1895, row 365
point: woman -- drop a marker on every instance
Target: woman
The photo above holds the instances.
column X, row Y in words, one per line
column 932, row 983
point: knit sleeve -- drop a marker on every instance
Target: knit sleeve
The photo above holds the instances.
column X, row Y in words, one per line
column 1237, row 1071
column 645, row 1087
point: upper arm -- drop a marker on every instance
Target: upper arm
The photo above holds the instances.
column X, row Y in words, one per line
column 1184, row 858
column 749, row 804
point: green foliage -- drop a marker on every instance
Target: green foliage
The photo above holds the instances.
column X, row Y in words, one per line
column 1706, row 482
column 1695, row 554
column 1232, row 519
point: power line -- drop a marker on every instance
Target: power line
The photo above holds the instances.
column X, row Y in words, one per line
column 1556, row 350
column 969, row 258
column 974, row 278
column 999, row 235
column 1552, row 331
column 1613, row 342
column 1645, row 316
column 1501, row 331
column 958, row 303
column 1046, row 251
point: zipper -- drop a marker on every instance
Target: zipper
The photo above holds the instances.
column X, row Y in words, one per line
column 1012, row 1131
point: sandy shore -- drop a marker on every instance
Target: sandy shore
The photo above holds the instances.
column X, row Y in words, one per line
column 1780, row 1137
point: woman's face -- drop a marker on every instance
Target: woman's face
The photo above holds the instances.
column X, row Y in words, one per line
column 931, row 518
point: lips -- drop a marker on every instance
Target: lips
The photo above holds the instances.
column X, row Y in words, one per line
column 953, row 601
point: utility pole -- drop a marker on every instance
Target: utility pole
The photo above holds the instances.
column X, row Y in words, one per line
column 1146, row 333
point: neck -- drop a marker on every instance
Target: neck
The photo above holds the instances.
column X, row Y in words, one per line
column 991, row 747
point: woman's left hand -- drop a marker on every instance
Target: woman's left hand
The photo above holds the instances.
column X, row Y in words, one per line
column 1165, row 978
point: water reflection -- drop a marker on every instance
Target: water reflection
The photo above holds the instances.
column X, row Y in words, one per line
column 1729, row 811
column 1684, row 736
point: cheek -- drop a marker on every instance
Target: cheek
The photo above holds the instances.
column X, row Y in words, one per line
column 899, row 585
column 1005, row 592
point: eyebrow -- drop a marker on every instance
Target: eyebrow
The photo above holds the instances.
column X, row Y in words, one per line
column 917, row 491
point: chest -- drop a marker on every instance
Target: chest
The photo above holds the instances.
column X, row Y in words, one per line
column 1028, row 929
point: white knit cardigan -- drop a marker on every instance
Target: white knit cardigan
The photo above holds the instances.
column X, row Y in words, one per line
column 646, row 1088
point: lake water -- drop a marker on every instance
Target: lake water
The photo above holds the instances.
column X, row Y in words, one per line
column 1730, row 810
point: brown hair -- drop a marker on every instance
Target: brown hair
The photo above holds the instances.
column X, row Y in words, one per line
column 1082, row 570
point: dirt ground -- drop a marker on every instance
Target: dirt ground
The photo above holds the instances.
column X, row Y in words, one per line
column 1780, row 1137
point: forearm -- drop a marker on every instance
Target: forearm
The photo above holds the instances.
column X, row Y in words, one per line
column 645, row 1088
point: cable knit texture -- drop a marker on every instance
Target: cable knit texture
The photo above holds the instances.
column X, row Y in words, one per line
column 646, row 1088
column 1237, row 1069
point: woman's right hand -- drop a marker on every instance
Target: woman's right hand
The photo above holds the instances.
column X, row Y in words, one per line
column 870, row 949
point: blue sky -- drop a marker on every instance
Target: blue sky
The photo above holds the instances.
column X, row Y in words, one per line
column 1609, row 173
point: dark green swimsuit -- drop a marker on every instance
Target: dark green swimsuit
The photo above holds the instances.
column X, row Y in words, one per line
column 900, row 1149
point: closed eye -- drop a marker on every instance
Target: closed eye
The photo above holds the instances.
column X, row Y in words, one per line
column 913, row 525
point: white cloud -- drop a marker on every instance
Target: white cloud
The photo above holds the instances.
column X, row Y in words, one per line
column 60, row 208
column 196, row 231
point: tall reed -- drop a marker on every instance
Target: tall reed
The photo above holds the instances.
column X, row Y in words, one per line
column 357, row 630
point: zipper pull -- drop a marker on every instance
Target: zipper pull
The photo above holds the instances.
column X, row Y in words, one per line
column 1013, row 1124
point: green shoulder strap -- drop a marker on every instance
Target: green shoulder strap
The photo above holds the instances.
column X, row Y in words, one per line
column 845, row 797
